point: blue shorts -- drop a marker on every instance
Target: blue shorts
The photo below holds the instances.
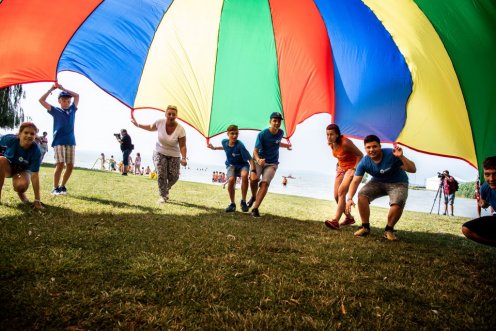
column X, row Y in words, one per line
column 235, row 171
column 449, row 198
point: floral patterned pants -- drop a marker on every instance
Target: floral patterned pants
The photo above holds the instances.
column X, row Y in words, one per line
column 168, row 172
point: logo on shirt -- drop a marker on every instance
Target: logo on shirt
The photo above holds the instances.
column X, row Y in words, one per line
column 278, row 141
column 234, row 154
column 382, row 171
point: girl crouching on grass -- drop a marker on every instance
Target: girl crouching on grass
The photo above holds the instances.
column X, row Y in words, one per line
column 20, row 160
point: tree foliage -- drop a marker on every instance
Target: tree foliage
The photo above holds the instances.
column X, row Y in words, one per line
column 11, row 113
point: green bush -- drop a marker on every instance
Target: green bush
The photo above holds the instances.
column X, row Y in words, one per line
column 466, row 190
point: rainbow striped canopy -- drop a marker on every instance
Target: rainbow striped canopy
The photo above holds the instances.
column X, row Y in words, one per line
column 419, row 72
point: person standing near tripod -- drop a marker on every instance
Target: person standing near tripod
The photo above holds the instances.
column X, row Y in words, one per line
column 449, row 189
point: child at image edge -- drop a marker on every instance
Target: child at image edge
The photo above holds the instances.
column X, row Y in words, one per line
column 238, row 162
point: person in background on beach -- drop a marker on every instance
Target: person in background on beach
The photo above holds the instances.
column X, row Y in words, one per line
column 387, row 168
column 147, row 170
column 238, row 163
column 449, row 192
column 348, row 156
column 137, row 164
column 170, row 150
column 483, row 229
column 64, row 140
column 127, row 147
column 102, row 161
column 266, row 157
column 284, row 180
column 20, row 159
column 112, row 163
column 43, row 144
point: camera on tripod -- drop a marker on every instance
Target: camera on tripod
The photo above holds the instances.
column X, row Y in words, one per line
column 441, row 175
column 117, row 135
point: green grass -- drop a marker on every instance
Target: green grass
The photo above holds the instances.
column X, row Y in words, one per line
column 108, row 257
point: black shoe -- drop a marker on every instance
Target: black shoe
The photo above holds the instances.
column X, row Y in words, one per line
column 255, row 213
column 244, row 206
column 231, row 208
column 62, row 190
column 124, row 174
column 251, row 202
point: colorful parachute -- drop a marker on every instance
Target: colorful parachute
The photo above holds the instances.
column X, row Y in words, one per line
column 419, row 72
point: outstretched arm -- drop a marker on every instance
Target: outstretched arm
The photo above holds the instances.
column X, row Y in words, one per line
column 288, row 146
column 212, row 147
column 42, row 99
column 147, row 127
column 35, row 180
column 351, row 192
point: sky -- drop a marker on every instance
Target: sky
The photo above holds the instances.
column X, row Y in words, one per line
column 99, row 116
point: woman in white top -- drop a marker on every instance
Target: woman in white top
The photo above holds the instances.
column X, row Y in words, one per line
column 170, row 150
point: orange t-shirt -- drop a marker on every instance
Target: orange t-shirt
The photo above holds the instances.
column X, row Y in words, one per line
column 345, row 160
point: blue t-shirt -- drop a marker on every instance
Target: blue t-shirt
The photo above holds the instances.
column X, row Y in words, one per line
column 26, row 159
column 387, row 171
column 488, row 194
column 237, row 155
column 63, row 125
column 268, row 145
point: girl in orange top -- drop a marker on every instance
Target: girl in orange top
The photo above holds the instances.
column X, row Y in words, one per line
column 348, row 156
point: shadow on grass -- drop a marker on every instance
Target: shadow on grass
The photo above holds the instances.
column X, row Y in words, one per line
column 114, row 203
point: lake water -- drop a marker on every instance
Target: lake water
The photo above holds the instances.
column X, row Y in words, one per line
column 307, row 184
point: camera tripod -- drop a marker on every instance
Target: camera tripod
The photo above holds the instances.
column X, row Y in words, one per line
column 439, row 193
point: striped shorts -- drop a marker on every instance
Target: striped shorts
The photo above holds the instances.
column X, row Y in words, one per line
column 65, row 153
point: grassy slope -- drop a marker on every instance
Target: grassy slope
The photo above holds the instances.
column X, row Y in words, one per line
column 108, row 256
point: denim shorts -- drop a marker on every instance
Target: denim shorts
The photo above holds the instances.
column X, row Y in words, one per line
column 397, row 192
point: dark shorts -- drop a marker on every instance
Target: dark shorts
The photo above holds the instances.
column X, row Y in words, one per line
column 449, row 198
column 484, row 226
column 16, row 169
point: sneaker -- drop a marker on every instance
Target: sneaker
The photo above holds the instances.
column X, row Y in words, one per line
column 251, row 202
column 62, row 190
column 255, row 213
column 362, row 232
column 244, row 206
column 332, row 224
column 55, row 191
column 348, row 221
column 231, row 208
column 124, row 174
column 389, row 235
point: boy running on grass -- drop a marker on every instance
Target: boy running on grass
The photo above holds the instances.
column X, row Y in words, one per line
column 238, row 164
column 266, row 155
column 64, row 141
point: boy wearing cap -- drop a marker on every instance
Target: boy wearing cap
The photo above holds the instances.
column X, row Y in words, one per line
column 238, row 163
column 266, row 157
column 64, row 141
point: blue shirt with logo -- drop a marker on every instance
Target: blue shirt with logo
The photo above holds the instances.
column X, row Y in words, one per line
column 387, row 171
column 237, row 155
column 27, row 159
column 488, row 194
column 268, row 145
column 63, row 125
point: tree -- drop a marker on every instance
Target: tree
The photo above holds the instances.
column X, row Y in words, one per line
column 11, row 113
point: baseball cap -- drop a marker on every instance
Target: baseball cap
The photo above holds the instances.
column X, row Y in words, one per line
column 276, row 115
column 64, row 94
